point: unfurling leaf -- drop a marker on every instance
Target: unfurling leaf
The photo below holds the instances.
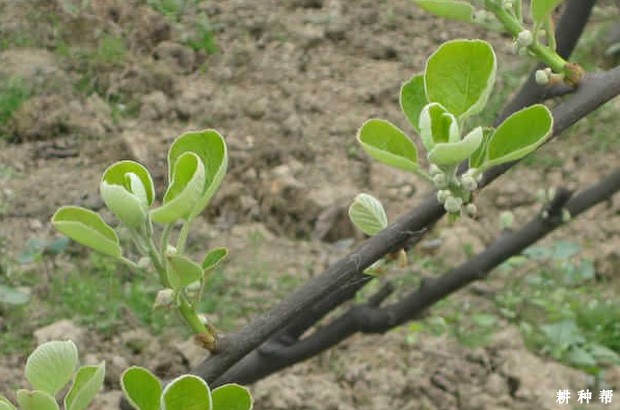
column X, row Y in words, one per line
column 460, row 76
column 231, row 397
column 213, row 258
column 388, row 144
column 51, row 366
column 437, row 126
column 142, row 388
column 367, row 214
column 413, row 99
column 453, row 153
column 86, row 227
column 450, row 9
column 86, row 384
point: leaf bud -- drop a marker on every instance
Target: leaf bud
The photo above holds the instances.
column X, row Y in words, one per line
column 442, row 195
column 525, row 38
column 453, row 204
column 164, row 298
column 440, row 181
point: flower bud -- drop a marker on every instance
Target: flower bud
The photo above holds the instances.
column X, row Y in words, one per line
column 434, row 170
column 471, row 210
column 541, row 77
column 453, row 204
column 164, row 298
column 443, row 195
column 171, row 249
column 440, row 181
column 469, row 183
column 525, row 38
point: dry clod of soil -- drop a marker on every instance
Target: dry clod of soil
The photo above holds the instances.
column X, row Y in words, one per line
column 61, row 330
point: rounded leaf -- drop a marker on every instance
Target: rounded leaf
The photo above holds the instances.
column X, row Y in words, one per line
column 187, row 392
column 210, row 147
column 460, row 76
column 86, row 227
column 36, row 400
column 142, row 388
column 519, row 135
column 185, row 190
column 86, row 384
column 51, row 366
column 437, row 126
column 182, row 271
column 413, row 99
column 367, row 214
column 450, row 9
column 127, row 190
column 454, row 153
column 388, row 144
column 214, row 258
column 231, row 397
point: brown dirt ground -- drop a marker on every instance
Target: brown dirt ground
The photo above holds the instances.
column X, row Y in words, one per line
column 288, row 88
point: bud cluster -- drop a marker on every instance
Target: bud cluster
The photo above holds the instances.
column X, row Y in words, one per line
column 454, row 192
column 547, row 77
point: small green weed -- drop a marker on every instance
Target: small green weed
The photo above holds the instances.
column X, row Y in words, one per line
column 13, row 92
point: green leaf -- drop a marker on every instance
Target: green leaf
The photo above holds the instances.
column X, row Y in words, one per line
column 460, row 76
column 12, row 296
column 127, row 190
column 232, row 397
column 86, row 384
column 388, row 144
column 454, row 153
column 86, row 227
column 437, row 126
column 51, row 366
column 450, row 9
column 5, row 404
column 182, row 271
column 36, row 400
column 213, row 258
column 142, row 388
column 519, row 135
column 210, row 147
column 477, row 158
column 187, row 392
column 413, row 99
column 367, row 213
column 185, row 190
column 541, row 9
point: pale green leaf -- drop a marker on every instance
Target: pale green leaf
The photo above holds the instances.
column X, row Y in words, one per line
column 36, row 400
column 86, row 384
column 437, row 126
column 413, row 99
column 232, row 397
column 214, row 258
column 519, row 135
column 210, row 147
column 450, row 9
column 86, row 227
column 182, row 271
column 367, row 214
column 187, row 392
column 51, row 366
column 460, row 76
column 453, row 153
column 127, row 190
column 388, row 144
column 185, row 190
column 142, row 388
column 541, row 9
column 477, row 158
column 5, row 404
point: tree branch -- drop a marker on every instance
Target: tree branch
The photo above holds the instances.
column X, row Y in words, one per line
column 596, row 89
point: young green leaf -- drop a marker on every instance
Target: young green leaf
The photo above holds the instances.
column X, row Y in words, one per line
column 185, row 190
column 210, row 147
column 519, row 135
column 127, row 190
column 437, row 126
column 182, row 271
column 36, row 400
column 460, row 76
column 213, row 258
column 477, row 158
column 413, row 99
column 388, row 144
column 541, row 9
column 231, row 397
column 51, row 366
column 187, row 392
column 86, row 227
column 142, row 388
column 5, row 404
column 453, row 153
column 450, row 9
column 367, row 214
column 86, row 384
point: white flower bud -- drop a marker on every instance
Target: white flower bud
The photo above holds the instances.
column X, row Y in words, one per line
column 471, row 210
column 164, row 298
column 541, row 77
column 506, row 220
column 525, row 38
column 453, row 204
column 443, row 195
column 171, row 249
column 469, row 183
column 440, row 181
column 434, row 170
column 507, row 4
